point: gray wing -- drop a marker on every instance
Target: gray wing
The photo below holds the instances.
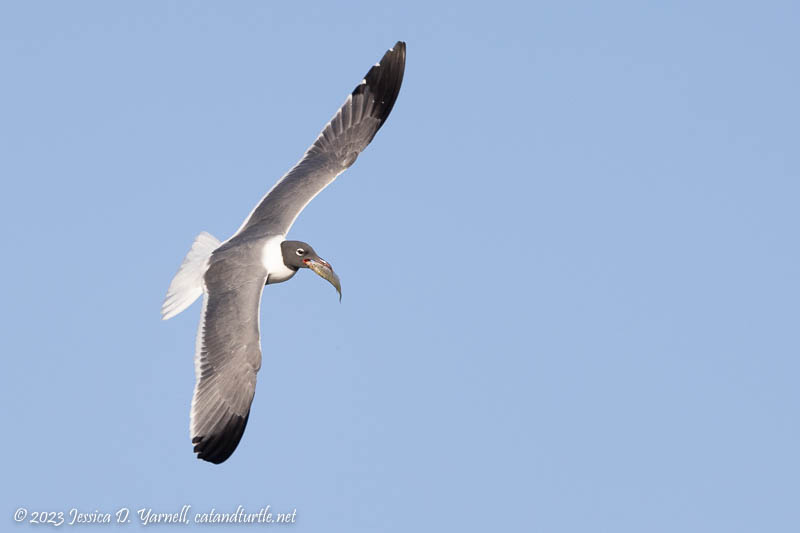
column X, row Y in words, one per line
column 337, row 147
column 228, row 353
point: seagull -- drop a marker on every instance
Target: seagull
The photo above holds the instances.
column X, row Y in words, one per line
column 231, row 275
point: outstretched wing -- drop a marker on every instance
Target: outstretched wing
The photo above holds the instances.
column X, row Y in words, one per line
column 227, row 356
column 337, row 147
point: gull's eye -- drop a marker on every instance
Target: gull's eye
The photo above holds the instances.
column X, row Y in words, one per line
column 300, row 251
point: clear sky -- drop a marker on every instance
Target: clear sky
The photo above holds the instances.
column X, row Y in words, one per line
column 569, row 262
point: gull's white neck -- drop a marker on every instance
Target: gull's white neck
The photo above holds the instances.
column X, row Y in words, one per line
column 272, row 258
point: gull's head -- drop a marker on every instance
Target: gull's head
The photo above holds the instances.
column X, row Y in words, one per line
column 298, row 254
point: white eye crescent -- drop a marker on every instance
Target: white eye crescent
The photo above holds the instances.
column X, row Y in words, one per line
column 300, row 251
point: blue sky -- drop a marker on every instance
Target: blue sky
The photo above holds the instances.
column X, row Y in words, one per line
column 569, row 263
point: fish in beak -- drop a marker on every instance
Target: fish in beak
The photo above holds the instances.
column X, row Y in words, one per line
column 324, row 270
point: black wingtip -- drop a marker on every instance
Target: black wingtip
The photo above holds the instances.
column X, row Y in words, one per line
column 219, row 445
column 383, row 81
column 398, row 48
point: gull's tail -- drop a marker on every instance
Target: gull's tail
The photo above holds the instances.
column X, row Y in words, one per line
column 187, row 285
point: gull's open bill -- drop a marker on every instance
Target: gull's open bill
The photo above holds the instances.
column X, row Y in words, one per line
column 325, row 271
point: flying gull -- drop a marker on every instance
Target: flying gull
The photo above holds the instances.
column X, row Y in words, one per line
column 231, row 275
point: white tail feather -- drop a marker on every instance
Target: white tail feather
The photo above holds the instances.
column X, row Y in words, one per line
column 187, row 285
